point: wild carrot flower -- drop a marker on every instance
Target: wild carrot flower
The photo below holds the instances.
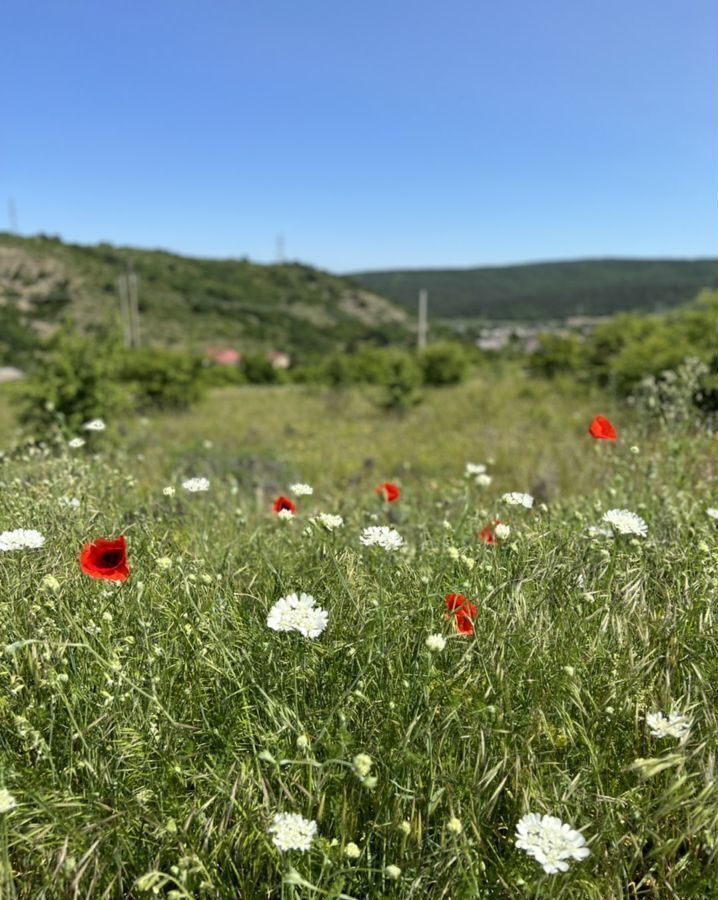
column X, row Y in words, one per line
column 601, row 429
column 21, row 539
column 381, row 536
column 291, row 831
column 550, row 842
column 298, row 613
column 301, row 490
column 435, row 642
column 626, row 522
column 328, row 521
column 75, row 443
column 516, row 498
column 94, row 425
column 196, row 485
column 674, row 725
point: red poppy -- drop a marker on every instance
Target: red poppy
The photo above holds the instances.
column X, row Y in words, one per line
column 105, row 559
column 464, row 612
column 389, row 490
column 487, row 533
column 601, row 429
column 283, row 503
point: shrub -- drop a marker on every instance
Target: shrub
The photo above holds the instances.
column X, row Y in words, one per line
column 401, row 380
column 557, row 354
column 162, row 379
column 444, row 363
column 258, row 369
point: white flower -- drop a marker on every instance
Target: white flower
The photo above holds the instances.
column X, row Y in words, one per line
column 298, row 613
column 436, row 642
column 712, row 512
column 473, row 469
column 75, row 443
column 550, row 842
column 163, row 562
column 516, row 498
column 483, row 480
column 351, row 851
column 454, row 825
column 21, row 539
column 7, row 801
column 674, row 725
column 329, row 521
column 194, row 485
column 286, row 515
column 70, row 502
column 94, row 425
column 626, row 522
column 502, row 531
column 362, row 764
column 168, row 491
column 301, row 490
column 292, row 832
column 393, row 872
column 381, row 536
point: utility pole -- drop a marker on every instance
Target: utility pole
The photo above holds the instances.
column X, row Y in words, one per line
column 128, row 291
column 423, row 324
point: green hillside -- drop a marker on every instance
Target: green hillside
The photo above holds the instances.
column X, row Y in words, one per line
column 547, row 290
column 188, row 302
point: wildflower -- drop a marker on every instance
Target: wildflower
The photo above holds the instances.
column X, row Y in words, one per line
column 292, row 831
column 436, row 642
column 389, row 491
column 70, row 502
column 502, row 531
column 626, row 522
column 195, row 485
column 516, row 498
column 301, row 490
column 464, row 612
column 21, row 539
column 7, row 801
column 454, row 825
column 473, row 469
column 381, row 536
column 105, row 559
column 601, row 429
column 95, row 425
column 489, row 534
column 393, row 872
column 351, row 851
column 674, row 725
column 328, row 521
column 362, row 764
column 596, row 531
column 550, row 842
column 298, row 613
column 405, row 827
column 286, row 515
column 453, row 553
column 164, row 563
column 483, row 480
column 635, row 450
column 302, row 742
column 712, row 512
column 168, row 491
column 75, row 443
column 283, row 504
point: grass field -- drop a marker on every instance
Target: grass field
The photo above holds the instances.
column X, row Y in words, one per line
column 151, row 729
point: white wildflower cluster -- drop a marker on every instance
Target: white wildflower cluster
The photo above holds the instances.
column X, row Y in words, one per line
column 7, row 801
column 435, row 642
column 597, row 531
column 626, row 522
column 381, row 536
column 550, row 842
column 502, row 531
column 75, row 443
column 328, row 521
column 291, row 831
column 21, row 539
column 516, row 498
column 285, row 515
column 195, row 485
column 478, row 472
column 674, row 725
column 298, row 612
column 69, row 502
column 169, row 491
column 301, row 490
column 94, row 425
column 712, row 511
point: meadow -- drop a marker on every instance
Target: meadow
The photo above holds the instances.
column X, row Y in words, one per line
column 151, row 729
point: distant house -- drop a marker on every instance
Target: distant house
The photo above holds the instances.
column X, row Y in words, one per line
column 279, row 359
column 224, row 356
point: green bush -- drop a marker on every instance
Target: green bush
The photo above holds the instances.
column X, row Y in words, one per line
column 557, row 355
column 258, row 369
column 443, row 364
column 76, row 380
column 401, row 380
column 162, row 379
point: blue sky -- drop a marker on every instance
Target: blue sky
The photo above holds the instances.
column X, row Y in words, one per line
column 380, row 134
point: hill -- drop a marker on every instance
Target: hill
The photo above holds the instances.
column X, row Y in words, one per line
column 186, row 301
column 552, row 290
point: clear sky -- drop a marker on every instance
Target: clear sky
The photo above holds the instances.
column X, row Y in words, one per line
column 371, row 134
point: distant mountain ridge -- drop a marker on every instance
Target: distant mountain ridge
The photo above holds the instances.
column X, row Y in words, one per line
column 190, row 302
column 550, row 290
